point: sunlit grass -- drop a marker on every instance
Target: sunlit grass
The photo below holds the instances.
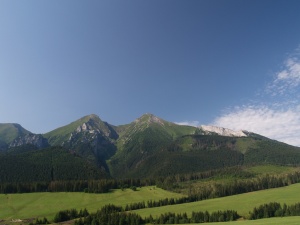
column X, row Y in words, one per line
column 47, row 204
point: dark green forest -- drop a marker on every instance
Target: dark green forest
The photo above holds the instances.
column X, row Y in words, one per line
column 50, row 164
column 114, row 215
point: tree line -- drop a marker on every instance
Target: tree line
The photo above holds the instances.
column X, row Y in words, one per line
column 197, row 217
column 217, row 190
column 115, row 215
column 274, row 209
column 111, row 214
column 105, row 184
column 213, row 190
column 88, row 186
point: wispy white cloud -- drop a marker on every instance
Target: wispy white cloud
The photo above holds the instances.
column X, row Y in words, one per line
column 275, row 115
column 189, row 123
column 282, row 125
column 287, row 79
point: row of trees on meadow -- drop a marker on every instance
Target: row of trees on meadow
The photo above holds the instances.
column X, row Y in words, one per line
column 111, row 214
column 216, row 190
column 115, row 215
column 66, row 215
column 197, row 217
column 212, row 190
column 275, row 209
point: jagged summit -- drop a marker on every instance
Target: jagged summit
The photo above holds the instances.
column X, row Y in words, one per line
column 93, row 124
column 89, row 123
column 89, row 127
column 206, row 129
column 92, row 117
column 149, row 118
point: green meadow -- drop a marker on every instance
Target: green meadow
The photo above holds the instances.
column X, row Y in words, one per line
column 293, row 220
column 242, row 203
column 271, row 169
column 47, row 204
column 32, row 205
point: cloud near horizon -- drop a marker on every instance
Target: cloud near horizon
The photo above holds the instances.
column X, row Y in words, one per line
column 278, row 115
column 281, row 125
column 194, row 123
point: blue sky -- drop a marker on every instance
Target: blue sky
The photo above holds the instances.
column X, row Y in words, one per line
column 229, row 63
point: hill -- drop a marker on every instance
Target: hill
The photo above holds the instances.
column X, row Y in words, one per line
column 9, row 132
column 141, row 141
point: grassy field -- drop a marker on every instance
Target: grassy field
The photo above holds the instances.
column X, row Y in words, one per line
column 271, row 169
column 242, row 203
column 22, row 206
column 293, row 220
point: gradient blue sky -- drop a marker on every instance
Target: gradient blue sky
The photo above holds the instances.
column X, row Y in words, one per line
column 232, row 63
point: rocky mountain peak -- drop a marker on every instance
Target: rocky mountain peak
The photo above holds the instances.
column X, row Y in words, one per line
column 93, row 117
column 148, row 119
column 94, row 125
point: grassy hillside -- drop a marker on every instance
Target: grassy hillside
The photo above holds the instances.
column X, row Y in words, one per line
column 270, row 169
column 294, row 220
column 242, row 203
column 9, row 132
column 141, row 140
column 148, row 120
column 61, row 134
column 47, row 204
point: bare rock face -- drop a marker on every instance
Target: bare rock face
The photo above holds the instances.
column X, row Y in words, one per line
column 33, row 139
column 221, row 131
column 94, row 138
column 96, row 126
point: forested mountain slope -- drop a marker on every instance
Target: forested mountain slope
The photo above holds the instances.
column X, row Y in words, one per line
column 28, row 164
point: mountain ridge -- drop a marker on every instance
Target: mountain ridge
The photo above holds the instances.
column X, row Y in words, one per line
column 150, row 146
column 14, row 135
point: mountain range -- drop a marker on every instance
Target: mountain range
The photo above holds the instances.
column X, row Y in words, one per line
column 147, row 147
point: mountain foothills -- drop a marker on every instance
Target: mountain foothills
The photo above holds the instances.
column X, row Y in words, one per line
column 90, row 148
